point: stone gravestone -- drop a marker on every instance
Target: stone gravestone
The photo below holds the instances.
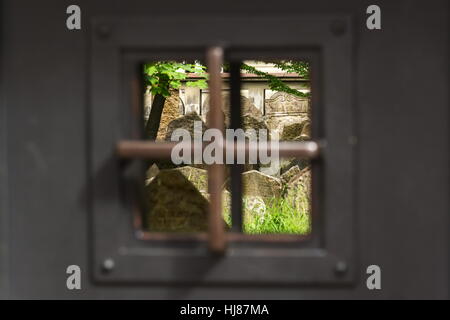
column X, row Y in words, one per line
column 289, row 174
column 151, row 173
column 198, row 177
column 184, row 122
column 291, row 132
column 178, row 201
column 258, row 184
column 298, row 190
column 247, row 107
column 175, row 204
column 283, row 109
column 285, row 103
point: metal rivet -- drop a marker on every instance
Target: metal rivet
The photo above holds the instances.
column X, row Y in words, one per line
column 341, row 267
column 108, row 265
column 352, row 140
column 322, row 144
column 338, row 27
column 103, row 31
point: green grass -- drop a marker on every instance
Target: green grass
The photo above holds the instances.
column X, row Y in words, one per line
column 279, row 217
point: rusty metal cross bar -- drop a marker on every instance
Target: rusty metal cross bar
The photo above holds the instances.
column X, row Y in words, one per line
column 132, row 149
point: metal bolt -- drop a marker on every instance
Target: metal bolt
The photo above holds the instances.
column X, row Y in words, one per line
column 322, row 144
column 352, row 140
column 341, row 268
column 108, row 265
column 338, row 27
column 103, row 31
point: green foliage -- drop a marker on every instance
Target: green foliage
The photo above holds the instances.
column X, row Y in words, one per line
column 162, row 76
column 301, row 68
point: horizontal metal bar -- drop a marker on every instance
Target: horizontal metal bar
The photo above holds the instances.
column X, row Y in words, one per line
column 131, row 149
column 305, row 149
column 231, row 236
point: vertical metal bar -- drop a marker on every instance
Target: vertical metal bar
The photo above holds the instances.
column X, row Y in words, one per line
column 216, row 228
column 235, row 123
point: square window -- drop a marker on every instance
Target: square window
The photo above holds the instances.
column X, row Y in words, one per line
column 116, row 117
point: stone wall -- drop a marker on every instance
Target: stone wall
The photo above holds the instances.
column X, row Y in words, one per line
column 256, row 91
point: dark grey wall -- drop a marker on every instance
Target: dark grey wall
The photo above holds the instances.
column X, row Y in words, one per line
column 402, row 162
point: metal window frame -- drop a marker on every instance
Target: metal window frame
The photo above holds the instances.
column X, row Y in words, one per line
column 327, row 258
